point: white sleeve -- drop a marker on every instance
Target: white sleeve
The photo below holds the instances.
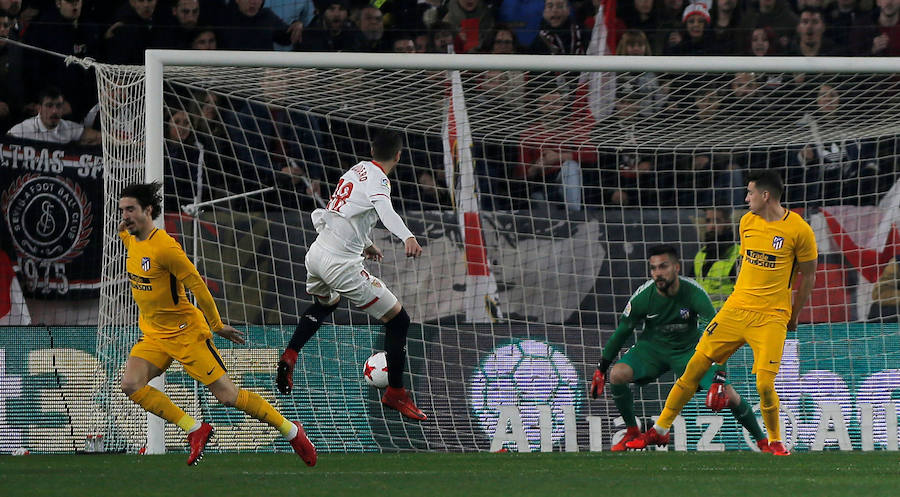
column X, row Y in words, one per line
column 389, row 217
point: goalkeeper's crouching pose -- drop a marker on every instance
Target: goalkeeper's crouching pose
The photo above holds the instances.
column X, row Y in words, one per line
column 669, row 306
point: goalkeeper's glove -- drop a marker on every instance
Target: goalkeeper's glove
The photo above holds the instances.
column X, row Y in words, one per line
column 716, row 398
column 599, row 378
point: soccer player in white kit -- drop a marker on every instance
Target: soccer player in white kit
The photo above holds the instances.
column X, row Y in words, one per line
column 334, row 266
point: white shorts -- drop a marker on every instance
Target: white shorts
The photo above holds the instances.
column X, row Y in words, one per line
column 329, row 276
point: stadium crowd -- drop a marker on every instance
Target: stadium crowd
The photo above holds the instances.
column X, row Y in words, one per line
column 40, row 97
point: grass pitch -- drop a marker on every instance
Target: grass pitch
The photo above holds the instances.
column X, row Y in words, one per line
column 820, row 474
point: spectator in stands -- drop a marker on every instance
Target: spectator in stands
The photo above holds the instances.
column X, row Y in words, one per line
column 695, row 38
column 555, row 148
column 652, row 95
column 503, row 91
column 134, row 30
column 403, row 43
column 810, row 40
column 640, row 15
column 558, row 34
column 886, row 294
column 762, row 42
column 443, row 35
column 841, row 16
column 60, row 30
column 726, row 17
column 669, row 15
column 775, row 15
column 209, row 115
column 629, row 175
column 185, row 175
column 12, row 88
column 715, row 265
column 422, row 40
column 504, row 41
column 523, row 17
column 247, row 25
column 474, row 22
column 746, row 96
column 179, row 29
column 279, row 146
column 298, row 14
column 845, row 168
column 878, row 34
column 49, row 126
column 406, row 15
column 330, row 30
column 371, row 29
column 203, row 39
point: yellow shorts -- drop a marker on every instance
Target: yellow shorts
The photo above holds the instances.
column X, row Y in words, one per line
column 193, row 349
column 731, row 328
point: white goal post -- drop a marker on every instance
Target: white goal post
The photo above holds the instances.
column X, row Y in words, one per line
column 555, row 313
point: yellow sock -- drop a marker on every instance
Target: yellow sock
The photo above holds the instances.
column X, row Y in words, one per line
column 679, row 395
column 257, row 407
column 769, row 403
column 684, row 389
column 156, row 402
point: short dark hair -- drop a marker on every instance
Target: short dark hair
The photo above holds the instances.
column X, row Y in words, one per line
column 812, row 10
column 663, row 249
column 385, row 144
column 146, row 194
column 50, row 92
column 768, row 180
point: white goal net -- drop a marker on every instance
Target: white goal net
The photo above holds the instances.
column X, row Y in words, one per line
column 535, row 187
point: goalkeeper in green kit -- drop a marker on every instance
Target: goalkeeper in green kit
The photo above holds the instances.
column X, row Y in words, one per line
column 669, row 305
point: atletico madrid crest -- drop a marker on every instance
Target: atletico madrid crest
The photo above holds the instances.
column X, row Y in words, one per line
column 145, row 263
column 777, row 242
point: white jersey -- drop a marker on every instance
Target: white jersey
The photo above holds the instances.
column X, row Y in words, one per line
column 361, row 197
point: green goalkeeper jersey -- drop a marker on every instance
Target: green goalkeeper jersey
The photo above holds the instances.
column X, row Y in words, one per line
column 669, row 322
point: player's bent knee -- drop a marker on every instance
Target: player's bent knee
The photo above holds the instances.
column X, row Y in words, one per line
column 621, row 374
column 129, row 387
column 765, row 386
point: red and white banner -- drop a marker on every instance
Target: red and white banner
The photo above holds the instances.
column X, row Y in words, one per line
column 602, row 85
column 482, row 305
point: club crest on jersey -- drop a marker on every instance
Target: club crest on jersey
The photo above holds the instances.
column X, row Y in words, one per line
column 777, row 242
column 685, row 313
column 145, row 263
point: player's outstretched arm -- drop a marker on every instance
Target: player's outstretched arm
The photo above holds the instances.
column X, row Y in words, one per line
column 229, row 333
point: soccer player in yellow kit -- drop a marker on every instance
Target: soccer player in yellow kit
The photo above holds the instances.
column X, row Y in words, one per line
column 172, row 328
column 775, row 245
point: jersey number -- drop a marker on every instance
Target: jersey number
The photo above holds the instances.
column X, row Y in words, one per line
column 712, row 326
column 340, row 196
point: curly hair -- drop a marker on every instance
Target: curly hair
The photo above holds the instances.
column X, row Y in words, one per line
column 146, row 194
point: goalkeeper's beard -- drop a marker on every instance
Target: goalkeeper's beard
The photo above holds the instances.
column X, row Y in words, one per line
column 663, row 285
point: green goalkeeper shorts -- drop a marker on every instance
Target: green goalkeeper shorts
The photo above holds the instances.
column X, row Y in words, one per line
column 650, row 361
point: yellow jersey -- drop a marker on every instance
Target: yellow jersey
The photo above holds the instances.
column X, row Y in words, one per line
column 159, row 270
column 770, row 253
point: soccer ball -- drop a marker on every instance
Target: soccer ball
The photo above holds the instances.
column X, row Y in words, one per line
column 375, row 370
